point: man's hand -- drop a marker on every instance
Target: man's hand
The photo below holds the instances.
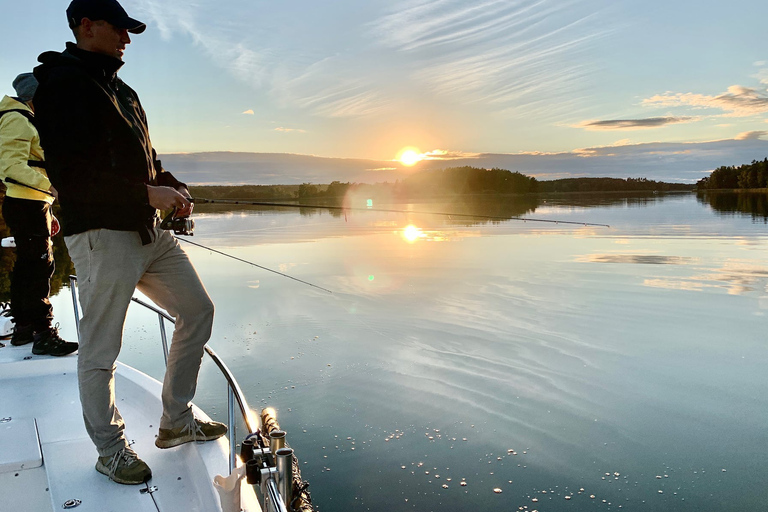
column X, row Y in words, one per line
column 187, row 211
column 165, row 198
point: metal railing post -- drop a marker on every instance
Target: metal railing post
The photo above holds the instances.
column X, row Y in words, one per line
column 163, row 338
column 73, row 290
column 231, row 427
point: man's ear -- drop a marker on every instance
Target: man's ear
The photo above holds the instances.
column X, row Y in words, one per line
column 86, row 27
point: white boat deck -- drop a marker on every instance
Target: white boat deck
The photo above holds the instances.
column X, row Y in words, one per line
column 47, row 458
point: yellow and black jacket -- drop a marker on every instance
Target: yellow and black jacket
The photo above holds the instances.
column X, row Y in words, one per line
column 20, row 146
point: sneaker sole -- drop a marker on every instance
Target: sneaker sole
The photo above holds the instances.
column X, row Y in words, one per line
column 43, row 352
column 101, row 468
column 176, row 441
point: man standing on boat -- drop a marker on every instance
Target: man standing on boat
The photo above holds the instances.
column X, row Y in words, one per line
column 111, row 186
column 27, row 211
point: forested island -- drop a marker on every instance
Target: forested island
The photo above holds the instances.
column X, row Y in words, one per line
column 452, row 181
column 747, row 176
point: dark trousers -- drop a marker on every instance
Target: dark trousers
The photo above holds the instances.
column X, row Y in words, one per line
column 30, row 224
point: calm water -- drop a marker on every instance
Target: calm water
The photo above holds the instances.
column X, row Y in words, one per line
column 534, row 359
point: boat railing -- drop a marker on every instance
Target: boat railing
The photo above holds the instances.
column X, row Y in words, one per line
column 269, row 468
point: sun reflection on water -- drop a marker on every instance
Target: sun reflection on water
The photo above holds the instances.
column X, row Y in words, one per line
column 412, row 233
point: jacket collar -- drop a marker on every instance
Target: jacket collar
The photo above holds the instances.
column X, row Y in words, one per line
column 106, row 65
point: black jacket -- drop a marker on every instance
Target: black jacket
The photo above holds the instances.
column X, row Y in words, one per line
column 96, row 141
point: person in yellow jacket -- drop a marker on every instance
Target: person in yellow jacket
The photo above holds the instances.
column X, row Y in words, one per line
column 27, row 212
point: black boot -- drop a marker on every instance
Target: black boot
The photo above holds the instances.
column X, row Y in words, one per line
column 22, row 334
column 48, row 342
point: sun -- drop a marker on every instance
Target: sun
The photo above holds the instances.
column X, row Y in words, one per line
column 410, row 157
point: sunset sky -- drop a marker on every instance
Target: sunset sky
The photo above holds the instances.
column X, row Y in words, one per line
column 449, row 78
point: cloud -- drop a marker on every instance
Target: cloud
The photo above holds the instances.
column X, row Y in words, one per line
column 249, row 112
column 762, row 75
column 634, row 124
column 288, row 130
column 197, row 20
column 442, row 154
column 752, row 135
column 332, row 87
column 496, row 52
column 297, row 69
column 738, row 101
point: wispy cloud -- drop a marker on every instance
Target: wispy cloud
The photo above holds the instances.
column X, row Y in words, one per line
column 330, row 88
column 443, row 154
column 248, row 112
column 738, row 101
column 508, row 55
column 289, row 130
column 634, row 124
column 345, row 100
column 194, row 20
column 762, row 74
column 327, row 86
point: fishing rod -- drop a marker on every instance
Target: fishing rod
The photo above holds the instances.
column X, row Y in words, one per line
column 255, row 265
column 201, row 200
column 184, row 229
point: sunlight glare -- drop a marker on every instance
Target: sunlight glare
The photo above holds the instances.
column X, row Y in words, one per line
column 410, row 157
column 411, row 233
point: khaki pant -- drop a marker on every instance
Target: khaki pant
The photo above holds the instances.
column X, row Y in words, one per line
column 110, row 265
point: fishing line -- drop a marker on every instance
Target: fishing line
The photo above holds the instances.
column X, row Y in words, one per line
column 384, row 210
column 11, row 180
column 254, row 264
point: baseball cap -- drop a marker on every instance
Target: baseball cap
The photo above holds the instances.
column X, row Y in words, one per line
column 107, row 10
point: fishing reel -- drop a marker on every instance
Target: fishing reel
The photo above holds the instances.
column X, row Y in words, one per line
column 180, row 225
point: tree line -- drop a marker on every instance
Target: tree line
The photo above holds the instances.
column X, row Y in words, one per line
column 747, row 176
column 462, row 181
column 610, row 185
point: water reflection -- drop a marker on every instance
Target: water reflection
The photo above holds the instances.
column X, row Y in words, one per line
column 753, row 204
column 411, row 233
column 738, row 277
column 642, row 259
column 443, row 357
column 500, row 206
